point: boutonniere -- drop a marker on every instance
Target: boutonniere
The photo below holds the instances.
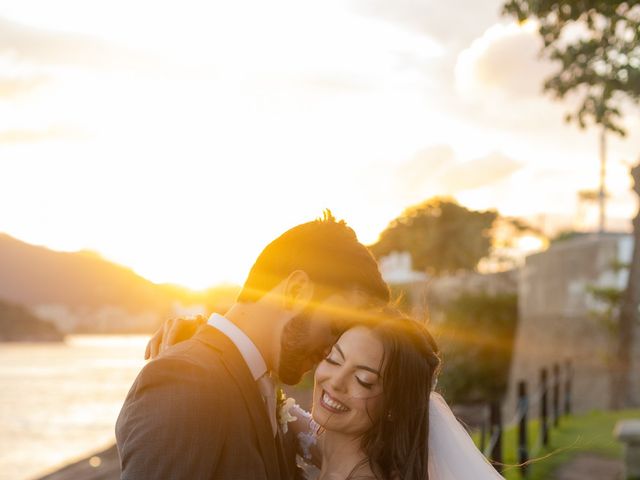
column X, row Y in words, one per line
column 283, row 410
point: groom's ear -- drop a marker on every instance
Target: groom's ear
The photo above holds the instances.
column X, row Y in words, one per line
column 298, row 291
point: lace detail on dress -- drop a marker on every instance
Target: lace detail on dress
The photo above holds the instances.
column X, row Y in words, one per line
column 307, row 438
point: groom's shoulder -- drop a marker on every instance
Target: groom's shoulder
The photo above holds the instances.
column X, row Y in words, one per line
column 194, row 365
column 178, row 375
column 186, row 359
column 177, row 391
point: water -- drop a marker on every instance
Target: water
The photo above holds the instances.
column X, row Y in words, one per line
column 59, row 402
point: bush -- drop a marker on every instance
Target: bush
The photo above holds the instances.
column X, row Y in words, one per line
column 476, row 339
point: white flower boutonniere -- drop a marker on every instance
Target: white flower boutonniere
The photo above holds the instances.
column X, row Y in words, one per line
column 284, row 411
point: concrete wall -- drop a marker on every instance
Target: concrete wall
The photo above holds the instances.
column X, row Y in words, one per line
column 556, row 321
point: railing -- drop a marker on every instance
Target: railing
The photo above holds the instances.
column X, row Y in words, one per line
column 547, row 400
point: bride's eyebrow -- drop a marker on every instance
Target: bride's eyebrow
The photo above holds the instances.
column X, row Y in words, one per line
column 361, row 367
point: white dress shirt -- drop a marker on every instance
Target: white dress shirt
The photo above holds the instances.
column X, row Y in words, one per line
column 254, row 360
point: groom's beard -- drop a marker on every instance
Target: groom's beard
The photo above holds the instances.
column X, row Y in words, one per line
column 295, row 349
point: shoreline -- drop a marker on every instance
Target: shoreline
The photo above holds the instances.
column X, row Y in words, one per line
column 31, row 340
column 104, row 463
column 100, row 465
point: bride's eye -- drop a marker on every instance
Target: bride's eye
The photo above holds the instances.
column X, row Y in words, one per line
column 331, row 361
column 365, row 384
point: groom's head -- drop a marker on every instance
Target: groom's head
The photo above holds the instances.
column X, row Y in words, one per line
column 319, row 278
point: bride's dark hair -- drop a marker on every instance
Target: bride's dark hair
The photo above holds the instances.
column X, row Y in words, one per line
column 397, row 445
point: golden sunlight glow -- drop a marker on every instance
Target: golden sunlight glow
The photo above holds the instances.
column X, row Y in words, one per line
column 181, row 155
column 531, row 243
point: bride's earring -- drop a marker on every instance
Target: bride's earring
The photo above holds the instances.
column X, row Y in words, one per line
column 389, row 417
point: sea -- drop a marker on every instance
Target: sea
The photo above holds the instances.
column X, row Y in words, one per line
column 59, row 401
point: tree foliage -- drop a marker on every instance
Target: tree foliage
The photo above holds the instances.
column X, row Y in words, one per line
column 565, row 235
column 440, row 235
column 477, row 338
column 596, row 44
column 608, row 314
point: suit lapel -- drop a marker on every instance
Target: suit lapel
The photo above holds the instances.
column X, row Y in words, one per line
column 282, row 454
column 287, row 451
column 239, row 371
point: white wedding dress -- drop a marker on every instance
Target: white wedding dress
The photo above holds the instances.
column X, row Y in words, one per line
column 452, row 453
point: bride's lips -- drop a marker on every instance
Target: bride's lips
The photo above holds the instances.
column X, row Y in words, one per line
column 331, row 404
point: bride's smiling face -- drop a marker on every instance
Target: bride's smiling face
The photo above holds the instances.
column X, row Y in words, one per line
column 347, row 393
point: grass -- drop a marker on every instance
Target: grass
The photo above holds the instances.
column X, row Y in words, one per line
column 587, row 433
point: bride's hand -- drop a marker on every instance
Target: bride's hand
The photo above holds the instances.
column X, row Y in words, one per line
column 172, row 331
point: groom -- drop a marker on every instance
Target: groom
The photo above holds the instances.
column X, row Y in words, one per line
column 205, row 408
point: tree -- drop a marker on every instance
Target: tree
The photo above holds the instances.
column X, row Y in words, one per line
column 512, row 240
column 477, row 337
column 440, row 235
column 597, row 46
column 628, row 324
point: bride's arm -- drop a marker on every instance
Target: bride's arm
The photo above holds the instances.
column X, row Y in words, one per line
column 305, row 430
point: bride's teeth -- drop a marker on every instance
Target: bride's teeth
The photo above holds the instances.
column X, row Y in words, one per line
column 333, row 403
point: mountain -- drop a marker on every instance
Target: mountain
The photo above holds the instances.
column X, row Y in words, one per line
column 82, row 292
column 17, row 324
column 33, row 275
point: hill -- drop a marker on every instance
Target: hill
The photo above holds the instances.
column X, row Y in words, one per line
column 82, row 292
column 17, row 324
column 32, row 275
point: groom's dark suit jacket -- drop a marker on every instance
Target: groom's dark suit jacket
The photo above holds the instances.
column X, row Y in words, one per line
column 196, row 412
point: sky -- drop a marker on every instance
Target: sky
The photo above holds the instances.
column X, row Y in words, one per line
column 179, row 138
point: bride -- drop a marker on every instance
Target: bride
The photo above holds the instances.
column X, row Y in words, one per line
column 375, row 415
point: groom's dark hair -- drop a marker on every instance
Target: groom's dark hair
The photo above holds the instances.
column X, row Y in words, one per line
column 328, row 251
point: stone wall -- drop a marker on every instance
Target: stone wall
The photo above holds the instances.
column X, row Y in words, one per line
column 556, row 320
column 556, row 314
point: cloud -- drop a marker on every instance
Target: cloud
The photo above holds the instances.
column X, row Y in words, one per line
column 452, row 23
column 437, row 171
column 489, row 75
column 44, row 47
column 499, row 82
column 16, row 136
column 19, row 78
column 13, row 87
column 328, row 83
column 503, row 62
column 425, row 165
column 478, row 172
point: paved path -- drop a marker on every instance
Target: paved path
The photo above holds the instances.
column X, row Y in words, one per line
column 590, row 467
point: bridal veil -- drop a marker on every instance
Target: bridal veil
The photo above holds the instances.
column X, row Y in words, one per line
column 452, row 453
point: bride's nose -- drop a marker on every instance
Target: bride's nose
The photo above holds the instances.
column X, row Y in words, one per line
column 338, row 380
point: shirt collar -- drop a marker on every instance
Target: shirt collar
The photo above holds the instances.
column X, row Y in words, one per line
column 247, row 348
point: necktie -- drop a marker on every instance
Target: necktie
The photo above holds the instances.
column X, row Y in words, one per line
column 268, row 391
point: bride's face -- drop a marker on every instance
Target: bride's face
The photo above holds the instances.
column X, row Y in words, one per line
column 347, row 393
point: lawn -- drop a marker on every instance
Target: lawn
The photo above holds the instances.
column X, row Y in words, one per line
column 592, row 432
